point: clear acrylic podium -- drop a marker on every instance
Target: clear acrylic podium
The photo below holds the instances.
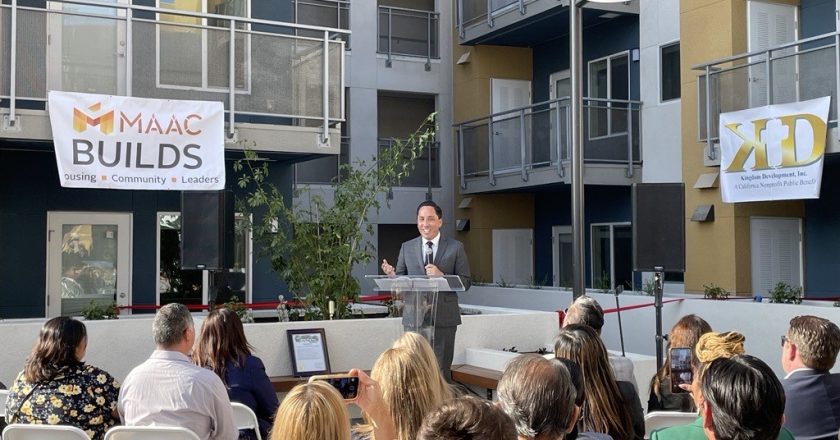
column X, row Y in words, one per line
column 416, row 296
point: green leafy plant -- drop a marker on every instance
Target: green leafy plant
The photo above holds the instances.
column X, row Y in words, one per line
column 313, row 246
column 95, row 311
column 648, row 285
column 503, row 283
column 602, row 283
column 784, row 293
column 238, row 307
column 711, row 291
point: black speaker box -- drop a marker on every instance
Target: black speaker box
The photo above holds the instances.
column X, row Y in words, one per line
column 207, row 227
column 659, row 226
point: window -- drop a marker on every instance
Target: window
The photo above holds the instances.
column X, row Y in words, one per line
column 669, row 75
column 192, row 286
column 609, row 79
column 612, row 256
column 194, row 52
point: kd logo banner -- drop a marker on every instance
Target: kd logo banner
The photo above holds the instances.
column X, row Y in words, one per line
column 773, row 152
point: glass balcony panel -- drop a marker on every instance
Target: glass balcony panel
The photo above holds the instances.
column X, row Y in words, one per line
column 412, row 32
column 506, row 143
column 476, row 154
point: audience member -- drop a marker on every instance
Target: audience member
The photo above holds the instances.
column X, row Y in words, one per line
column 467, row 418
column 684, row 334
column 57, row 388
column 609, row 407
column 743, row 399
column 710, row 347
column 312, row 410
column 168, row 389
column 809, row 351
column 223, row 348
column 422, row 352
column 577, row 382
column 586, row 311
column 410, row 390
column 539, row 396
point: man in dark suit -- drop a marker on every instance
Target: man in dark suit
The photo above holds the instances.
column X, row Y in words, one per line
column 447, row 257
column 809, row 350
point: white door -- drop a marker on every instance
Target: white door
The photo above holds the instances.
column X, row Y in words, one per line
column 508, row 94
column 84, row 53
column 561, row 243
column 776, row 246
column 513, row 256
column 770, row 25
column 88, row 260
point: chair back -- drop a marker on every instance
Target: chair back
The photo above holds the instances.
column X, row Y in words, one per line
column 663, row 419
column 20, row 431
column 244, row 418
column 4, row 394
column 150, row 433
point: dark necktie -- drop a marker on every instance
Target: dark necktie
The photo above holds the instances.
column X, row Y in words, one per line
column 429, row 252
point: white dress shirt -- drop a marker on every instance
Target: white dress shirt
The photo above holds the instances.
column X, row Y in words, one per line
column 169, row 390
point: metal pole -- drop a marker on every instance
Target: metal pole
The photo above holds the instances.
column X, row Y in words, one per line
column 13, row 65
column 836, row 76
column 658, row 276
column 390, row 38
column 557, row 139
column 429, row 41
column 429, row 161
column 523, row 140
column 578, row 266
column 461, row 156
column 325, row 134
column 232, row 79
column 129, row 51
column 768, row 70
column 711, row 147
column 629, row 139
column 460, row 18
column 491, row 161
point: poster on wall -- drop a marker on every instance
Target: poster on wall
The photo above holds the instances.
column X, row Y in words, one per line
column 773, row 152
column 119, row 142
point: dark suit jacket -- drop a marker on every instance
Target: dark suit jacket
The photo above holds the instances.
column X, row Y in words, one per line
column 250, row 386
column 451, row 259
column 812, row 404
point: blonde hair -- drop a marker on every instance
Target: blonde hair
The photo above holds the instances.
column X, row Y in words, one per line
column 408, row 389
column 713, row 346
column 311, row 411
column 420, row 348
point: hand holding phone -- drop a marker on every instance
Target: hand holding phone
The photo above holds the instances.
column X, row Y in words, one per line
column 681, row 372
column 347, row 385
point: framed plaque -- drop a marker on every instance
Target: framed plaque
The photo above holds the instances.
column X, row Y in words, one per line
column 308, row 349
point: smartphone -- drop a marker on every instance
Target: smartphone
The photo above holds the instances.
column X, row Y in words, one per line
column 347, row 385
column 681, row 373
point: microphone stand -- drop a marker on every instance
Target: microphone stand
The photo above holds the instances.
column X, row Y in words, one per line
column 617, row 291
column 658, row 277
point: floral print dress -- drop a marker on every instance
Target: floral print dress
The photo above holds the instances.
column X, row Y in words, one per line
column 80, row 395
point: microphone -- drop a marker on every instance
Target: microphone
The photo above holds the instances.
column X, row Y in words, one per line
column 428, row 256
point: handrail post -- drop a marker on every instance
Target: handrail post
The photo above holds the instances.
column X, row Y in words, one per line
column 837, row 77
column 325, row 133
column 429, row 41
column 711, row 154
column 232, row 79
column 13, row 66
column 523, row 140
column 429, row 161
column 629, row 140
column 769, row 72
column 390, row 39
column 460, row 12
column 461, row 155
column 557, row 137
column 521, row 7
column 491, row 162
column 490, row 22
column 129, row 51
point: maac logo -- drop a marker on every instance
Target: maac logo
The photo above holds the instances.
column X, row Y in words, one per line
column 754, row 145
column 82, row 120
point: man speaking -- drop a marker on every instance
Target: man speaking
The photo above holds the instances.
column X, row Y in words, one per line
column 433, row 255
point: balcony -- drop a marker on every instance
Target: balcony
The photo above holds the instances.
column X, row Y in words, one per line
column 523, row 22
column 529, row 146
column 797, row 71
column 282, row 92
column 426, row 173
column 326, row 13
column 408, row 32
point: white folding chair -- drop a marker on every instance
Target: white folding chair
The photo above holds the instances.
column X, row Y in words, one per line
column 663, row 419
column 244, row 418
column 150, row 433
column 4, row 394
column 20, row 431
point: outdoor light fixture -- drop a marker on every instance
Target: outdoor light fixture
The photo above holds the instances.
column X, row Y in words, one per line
column 575, row 31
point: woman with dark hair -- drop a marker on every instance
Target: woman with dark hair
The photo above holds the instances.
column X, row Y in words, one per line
column 684, row 334
column 57, row 388
column 609, row 407
column 222, row 347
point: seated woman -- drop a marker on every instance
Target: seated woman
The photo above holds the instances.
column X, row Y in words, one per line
column 411, row 387
column 315, row 410
column 222, row 347
column 685, row 333
column 711, row 346
column 609, row 407
column 57, row 388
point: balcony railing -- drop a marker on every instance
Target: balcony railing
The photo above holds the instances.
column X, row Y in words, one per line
column 255, row 67
column 324, row 170
column 426, row 173
column 538, row 137
column 796, row 71
column 326, row 13
column 472, row 12
column 409, row 32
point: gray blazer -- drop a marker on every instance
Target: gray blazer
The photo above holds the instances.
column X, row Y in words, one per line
column 451, row 259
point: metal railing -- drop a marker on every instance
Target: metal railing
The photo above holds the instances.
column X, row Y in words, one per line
column 537, row 136
column 324, row 170
column 426, row 173
column 796, row 71
column 255, row 67
column 473, row 12
column 409, row 32
column 327, row 13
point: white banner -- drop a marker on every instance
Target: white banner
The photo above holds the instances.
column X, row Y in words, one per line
column 773, row 152
column 119, row 142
